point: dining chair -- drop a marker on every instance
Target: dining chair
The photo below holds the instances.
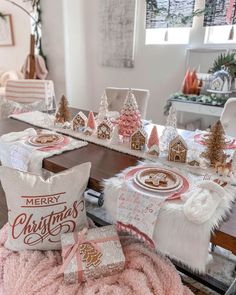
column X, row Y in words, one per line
column 117, row 96
column 228, row 117
column 28, row 95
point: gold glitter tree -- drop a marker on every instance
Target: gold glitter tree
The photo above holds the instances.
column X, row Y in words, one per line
column 215, row 144
column 63, row 113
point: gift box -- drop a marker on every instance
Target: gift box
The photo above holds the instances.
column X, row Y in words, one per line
column 91, row 253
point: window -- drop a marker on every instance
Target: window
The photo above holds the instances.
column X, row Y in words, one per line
column 170, row 22
column 167, row 36
column 219, row 35
column 219, row 21
column 163, row 29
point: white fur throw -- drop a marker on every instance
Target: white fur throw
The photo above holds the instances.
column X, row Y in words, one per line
column 175, row 235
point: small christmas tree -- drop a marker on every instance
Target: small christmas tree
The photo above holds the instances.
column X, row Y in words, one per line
column 170, row 131
column 215, row 144
column 172, row 117
column 115, row 136
column 63, row 114
column 191, row 85
column 91, row 121
column 153, row 139
column 130, row 118
column 103, row 109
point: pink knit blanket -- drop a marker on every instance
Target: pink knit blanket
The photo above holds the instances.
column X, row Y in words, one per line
column 36, row 273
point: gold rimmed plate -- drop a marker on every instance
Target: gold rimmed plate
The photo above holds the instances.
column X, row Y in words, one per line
column 171, row 195
column 158, row 180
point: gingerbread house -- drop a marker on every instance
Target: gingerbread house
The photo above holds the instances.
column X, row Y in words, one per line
column 104, row 130
column 178, row 150
column 79, row 121
column 138, row 140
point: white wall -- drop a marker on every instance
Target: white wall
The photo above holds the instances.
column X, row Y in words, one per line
column 13, row 57
column 54, row 43
column 79, row 79
column 158, row 68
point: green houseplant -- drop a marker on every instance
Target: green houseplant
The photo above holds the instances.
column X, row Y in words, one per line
column 227, row 60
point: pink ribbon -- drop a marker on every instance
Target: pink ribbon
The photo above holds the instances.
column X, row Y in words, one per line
column 73, row 250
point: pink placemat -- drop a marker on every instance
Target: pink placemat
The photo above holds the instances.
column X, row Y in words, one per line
column 230, row 146
column 172, row 196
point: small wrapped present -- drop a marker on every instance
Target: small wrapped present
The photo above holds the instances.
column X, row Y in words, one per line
column 91, row 253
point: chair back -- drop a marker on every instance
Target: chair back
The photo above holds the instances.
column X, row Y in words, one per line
column 116, row 98
column 228, row 117
column 30, row 91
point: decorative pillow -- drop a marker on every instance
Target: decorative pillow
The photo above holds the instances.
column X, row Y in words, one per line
column 39, row 210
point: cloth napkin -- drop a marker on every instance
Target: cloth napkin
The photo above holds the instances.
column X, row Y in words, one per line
column 202, row 202
column 17, row 154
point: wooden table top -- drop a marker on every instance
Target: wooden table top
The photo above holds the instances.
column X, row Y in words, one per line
column 105, row 164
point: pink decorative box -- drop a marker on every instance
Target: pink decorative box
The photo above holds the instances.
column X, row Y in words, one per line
column 91, row 253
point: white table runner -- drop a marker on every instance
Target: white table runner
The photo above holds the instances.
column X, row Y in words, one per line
column 38, row 119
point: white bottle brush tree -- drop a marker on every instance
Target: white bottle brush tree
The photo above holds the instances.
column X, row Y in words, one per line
column 115, row 136
column 170, row 131
column 103, row 109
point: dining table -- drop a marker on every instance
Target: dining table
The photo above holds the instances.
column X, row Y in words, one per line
column 106, row 163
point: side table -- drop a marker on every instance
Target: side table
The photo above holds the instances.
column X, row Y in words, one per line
column 201, row 110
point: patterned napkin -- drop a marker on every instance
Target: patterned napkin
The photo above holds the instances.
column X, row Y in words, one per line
column 137, row 213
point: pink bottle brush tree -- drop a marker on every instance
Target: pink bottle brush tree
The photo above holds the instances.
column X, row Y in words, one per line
column 130, row 118
column 153, row 139
column 91, row 121
column 153, row 143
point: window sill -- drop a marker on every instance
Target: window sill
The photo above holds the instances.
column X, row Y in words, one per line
column 212, row 47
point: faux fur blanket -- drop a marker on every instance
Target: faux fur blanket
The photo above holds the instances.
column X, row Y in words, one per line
column 36, row 273
column 174, row 234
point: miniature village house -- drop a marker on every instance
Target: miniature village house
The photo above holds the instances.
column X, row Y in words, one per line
column 138, row 140
column 178, row 150
column 104, row 130
column 79, row 121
